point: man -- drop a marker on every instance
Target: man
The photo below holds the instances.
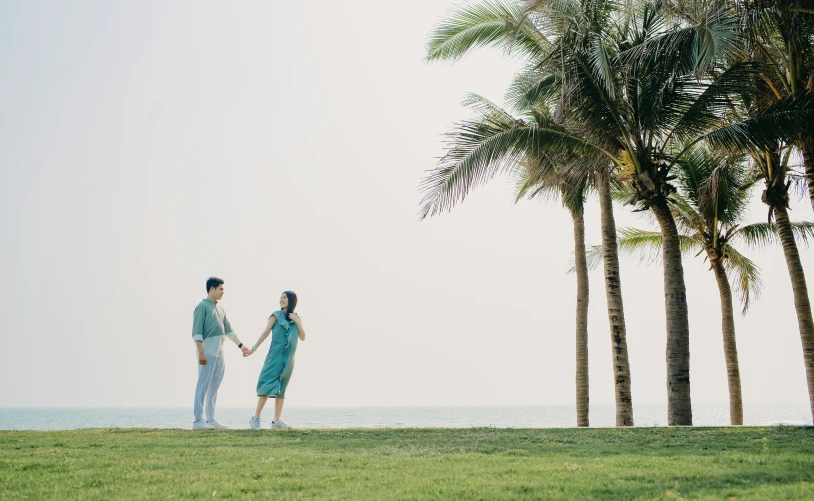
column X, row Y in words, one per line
column 209, row 326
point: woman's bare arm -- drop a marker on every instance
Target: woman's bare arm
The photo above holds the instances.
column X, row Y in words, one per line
column 264, row 335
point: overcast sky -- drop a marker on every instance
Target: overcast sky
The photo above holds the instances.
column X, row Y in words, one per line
column 147, row 145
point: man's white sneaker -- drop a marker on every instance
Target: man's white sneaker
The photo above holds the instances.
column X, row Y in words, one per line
column 202, row 425
column 279, row 425
column 217, row 425
column 254, row 423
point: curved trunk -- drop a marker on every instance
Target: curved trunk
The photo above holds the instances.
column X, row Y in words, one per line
column 679, row 405
column 730, row 348
column 800, row 290
column 616, row 312
column 581, row 266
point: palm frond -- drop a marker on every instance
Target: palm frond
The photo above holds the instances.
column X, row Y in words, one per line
column 722, row 197
column 686, row 215
column 495, row 23
column 711, row 182
column 597, row 111
column 620, row 191
column 530, row 88
column 798, row 184
column 573, row 199
column 688, row 49
column 701, row 112
column 782, row 121
column 489, row 110
column 602, row 66
column 763, row 235
column 537, row 178
column 478, row 150
column 593, row 255
column 560, row 13
column 646, row 245
column 744, row 274
column 642, row 245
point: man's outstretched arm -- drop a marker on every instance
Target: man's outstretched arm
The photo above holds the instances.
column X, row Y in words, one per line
column 233, row 336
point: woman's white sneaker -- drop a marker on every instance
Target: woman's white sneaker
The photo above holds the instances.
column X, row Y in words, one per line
column 254, row 423
column 279, row 425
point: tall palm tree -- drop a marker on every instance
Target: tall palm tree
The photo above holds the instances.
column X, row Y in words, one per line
column 535, row 91
column 709, row 210
column 546, row 178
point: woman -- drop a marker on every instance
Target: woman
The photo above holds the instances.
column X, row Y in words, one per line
column 286, row 329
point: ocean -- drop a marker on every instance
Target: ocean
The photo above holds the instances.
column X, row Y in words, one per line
column 797, row 414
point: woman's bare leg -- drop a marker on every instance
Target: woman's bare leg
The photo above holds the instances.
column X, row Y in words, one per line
column 278, row 408
column 261, row 402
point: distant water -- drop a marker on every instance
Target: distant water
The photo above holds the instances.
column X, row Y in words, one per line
column 394, row 417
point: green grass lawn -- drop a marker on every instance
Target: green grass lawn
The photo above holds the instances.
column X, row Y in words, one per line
column 478, row 463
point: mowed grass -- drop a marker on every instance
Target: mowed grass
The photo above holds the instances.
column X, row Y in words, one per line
column 479, row 463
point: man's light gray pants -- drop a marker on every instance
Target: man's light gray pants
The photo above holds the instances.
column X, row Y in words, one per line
column 206, row 392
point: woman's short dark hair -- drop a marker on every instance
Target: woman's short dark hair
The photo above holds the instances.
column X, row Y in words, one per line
column 292, row 303
column 213, row 282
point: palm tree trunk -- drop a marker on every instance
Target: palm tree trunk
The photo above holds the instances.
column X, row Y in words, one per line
column 679, row 404
column 581, row 266
column 616, row 312
column 801, row 302
column 730, row 348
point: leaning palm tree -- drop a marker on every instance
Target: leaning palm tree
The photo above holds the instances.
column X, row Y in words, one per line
column 709, row 209
column 540, row 87
column 771, row 165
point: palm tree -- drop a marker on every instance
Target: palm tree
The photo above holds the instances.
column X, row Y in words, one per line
column 779, row 33
column 639, row 92
column 534, row 92
column 772, row 166
column 546, row 178
column 709, row 210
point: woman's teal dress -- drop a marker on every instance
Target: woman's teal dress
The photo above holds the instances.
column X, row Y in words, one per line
column 279, row 362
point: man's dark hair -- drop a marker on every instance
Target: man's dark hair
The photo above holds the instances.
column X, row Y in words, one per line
column 213, row 282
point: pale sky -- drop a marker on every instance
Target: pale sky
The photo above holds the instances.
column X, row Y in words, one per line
column 146, row 145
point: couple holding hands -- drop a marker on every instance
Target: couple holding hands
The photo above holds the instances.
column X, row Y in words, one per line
column 210, row 326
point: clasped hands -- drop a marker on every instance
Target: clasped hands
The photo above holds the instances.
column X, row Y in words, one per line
column 203, row 360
